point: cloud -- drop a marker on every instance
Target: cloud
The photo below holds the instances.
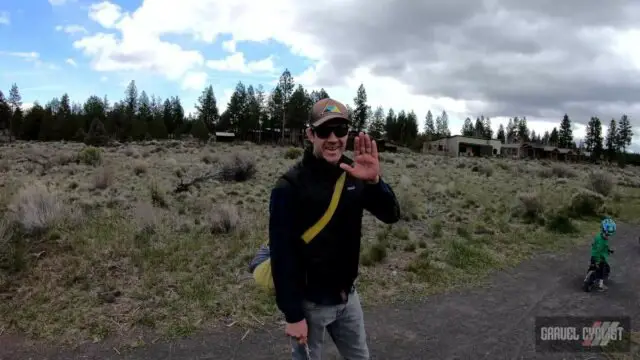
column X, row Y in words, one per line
column 229, row 46
column 506, row 58
column 71, row 62
column 137, row 52
column 194, row 80
column 28, row 56
column 32, row 57
column 105, row 14
column 5, row 19
column 136, row 49
column 57, row 2
column 72, row 29
column 237, row 63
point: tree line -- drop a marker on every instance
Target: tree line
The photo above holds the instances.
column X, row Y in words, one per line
column 255, row 115
column 251, row 114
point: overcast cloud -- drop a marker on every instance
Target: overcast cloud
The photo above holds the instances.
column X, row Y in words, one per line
column 511, row 58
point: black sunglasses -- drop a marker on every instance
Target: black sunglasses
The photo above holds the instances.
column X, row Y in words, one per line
column 324, row 131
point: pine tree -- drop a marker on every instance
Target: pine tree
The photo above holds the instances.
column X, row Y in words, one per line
column 522, row 130
column 361, row 109
column 429, row 126
column 625, row 133
column 565, row 135
column 501, row 134
column 376, row 127
column 612, row 140
column 286, row 86
column 207, row 109
column 390, row 126
column 467, row 128
column 442, row 125
column 5, row 113
column 15, row 103
column 97, row 134
column 199, row 130
column 478, row 129
column 411, row 128
column 597, row 138
column 511, row 132
column 593, row 139
column 488, row 131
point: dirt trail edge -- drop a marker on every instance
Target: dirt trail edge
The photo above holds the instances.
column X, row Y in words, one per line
column 492, row 322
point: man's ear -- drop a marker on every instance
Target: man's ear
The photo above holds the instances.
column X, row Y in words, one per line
column 309, row 133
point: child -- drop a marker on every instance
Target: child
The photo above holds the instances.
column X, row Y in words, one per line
column 600, row 251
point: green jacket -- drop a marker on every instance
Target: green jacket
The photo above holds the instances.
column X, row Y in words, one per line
column 600, row 248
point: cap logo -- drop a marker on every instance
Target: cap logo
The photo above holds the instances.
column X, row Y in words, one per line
column 331, row 109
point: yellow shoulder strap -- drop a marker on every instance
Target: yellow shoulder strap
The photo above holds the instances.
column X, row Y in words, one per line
column 324, row 220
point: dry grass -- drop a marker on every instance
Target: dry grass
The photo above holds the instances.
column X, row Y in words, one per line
column 102, row 245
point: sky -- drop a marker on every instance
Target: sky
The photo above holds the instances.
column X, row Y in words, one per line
column 497, row 58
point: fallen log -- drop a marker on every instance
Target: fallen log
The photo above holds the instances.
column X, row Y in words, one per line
column 182, row 187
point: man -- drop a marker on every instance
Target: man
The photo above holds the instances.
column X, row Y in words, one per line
column 314, row 282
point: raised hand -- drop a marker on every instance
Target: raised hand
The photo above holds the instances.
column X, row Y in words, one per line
column 366, row 165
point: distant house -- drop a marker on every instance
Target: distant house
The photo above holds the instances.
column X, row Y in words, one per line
column 538, row 151
column 458, row 145
column 222, row 136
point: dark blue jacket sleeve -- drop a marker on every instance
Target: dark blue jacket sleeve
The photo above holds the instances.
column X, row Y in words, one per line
column 282, row 243
column 381, row 201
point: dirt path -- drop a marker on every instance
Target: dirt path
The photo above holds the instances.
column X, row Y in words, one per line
column 493, row 322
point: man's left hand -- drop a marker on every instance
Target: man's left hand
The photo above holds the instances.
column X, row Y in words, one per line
column 366, row 165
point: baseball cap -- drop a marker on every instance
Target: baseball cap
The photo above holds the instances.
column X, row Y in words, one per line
column 327, row 109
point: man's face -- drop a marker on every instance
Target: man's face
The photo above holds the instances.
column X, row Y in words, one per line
column 329, row 140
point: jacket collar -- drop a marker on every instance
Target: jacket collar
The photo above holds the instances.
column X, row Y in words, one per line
column 321, row 167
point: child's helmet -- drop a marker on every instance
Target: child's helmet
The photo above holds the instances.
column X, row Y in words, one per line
column 608, row 226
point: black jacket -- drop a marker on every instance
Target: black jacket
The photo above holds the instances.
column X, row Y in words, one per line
column 328, row 265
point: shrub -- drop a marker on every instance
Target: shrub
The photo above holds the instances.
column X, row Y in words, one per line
column 601, row 182
column 563, row 171
column 292, row 153
column 209, row 159
column 463, row 255
column 561, row 223
column 103, row 178
column 585, row 203
column 145, row 218
column 224, row 219
column 12, row 255
column 238, row 167
column 530, row 206
column 36, row 209
column 90, row 156
column 158, row 195
column 483, row 169
column 140, row 167
column 407, row 199
column 374, row 254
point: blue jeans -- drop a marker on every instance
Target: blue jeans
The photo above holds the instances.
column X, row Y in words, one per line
column 345, row 325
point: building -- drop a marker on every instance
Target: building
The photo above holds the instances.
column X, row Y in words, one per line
column 458, row 145
column 538, row 151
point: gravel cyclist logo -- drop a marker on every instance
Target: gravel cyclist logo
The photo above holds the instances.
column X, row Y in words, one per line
column 580, row 334
column 601, row 333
